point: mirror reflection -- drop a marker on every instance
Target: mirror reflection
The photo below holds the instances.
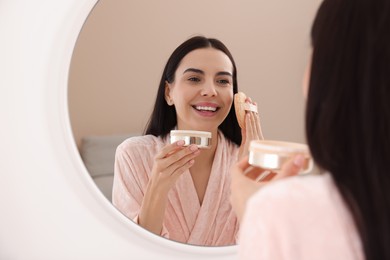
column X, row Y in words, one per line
column 182, row 191
column 116, row 67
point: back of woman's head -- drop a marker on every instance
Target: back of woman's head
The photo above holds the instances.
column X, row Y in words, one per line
column 163, row 118
column 348, row 111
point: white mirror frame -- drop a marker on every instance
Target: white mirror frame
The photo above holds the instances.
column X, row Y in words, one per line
column 51, row 209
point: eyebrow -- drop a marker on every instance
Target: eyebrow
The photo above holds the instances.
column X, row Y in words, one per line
column 202, row 72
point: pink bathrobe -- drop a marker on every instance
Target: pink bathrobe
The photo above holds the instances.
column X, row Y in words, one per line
column 211, row 224
column 299, row 218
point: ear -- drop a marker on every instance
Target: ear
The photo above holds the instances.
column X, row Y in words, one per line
column 168, row 98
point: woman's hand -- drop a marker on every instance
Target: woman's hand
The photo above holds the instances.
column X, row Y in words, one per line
column 171, row 162
column 252, row 130
column 246, row 180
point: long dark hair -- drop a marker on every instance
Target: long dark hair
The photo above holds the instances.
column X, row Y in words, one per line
column 348, row 111
column 163, row 118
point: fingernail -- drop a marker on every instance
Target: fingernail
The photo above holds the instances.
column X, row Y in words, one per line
column 298, row 160
column 193, row 148
column 180, row 143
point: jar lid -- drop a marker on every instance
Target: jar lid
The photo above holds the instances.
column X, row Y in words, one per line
column 191, row 133
column 278, row 146
column 271, row 155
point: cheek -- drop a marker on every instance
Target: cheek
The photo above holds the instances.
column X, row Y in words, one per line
column 305, row 81
column 228, row 97
column 178, row 94
column 231, row 96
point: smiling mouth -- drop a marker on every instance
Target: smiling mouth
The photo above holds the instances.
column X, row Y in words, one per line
column 206, row 108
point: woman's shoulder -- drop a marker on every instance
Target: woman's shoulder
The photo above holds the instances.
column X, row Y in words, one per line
column 311, row 191
column 301, row 202
column 305, row 216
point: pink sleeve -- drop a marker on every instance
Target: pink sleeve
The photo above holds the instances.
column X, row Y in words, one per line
column 130, row 180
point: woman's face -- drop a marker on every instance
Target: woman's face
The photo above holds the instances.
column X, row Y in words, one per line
column 202, row 91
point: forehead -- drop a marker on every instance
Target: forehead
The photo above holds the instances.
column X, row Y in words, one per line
column 206, row 59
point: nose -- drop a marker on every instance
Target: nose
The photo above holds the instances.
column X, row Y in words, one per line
column 208, row 90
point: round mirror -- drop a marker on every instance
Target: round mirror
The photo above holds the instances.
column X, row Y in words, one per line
column 124, row 45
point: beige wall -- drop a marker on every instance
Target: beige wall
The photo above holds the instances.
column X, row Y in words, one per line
column 124, row 44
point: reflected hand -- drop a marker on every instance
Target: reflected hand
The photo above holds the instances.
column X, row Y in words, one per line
column 251, row 131
column 171, row 162
column 246, row 180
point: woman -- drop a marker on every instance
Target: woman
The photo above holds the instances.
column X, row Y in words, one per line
column 182, row 193
column 344, row 213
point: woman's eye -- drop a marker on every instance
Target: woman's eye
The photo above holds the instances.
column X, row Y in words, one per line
column 223, row 81
column 194, row 79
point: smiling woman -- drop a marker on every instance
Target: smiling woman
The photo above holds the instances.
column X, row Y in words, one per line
column 179, row 192
column 116, row 64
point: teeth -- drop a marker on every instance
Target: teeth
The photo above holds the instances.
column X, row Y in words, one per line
column 213, row 109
